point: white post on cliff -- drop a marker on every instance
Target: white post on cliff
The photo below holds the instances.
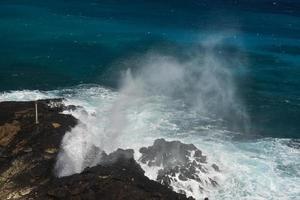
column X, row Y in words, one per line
column 36, row 113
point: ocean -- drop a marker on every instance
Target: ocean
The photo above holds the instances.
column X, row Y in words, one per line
column 223, row 75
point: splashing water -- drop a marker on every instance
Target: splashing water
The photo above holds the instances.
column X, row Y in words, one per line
column 258, row 169
column 191, row 100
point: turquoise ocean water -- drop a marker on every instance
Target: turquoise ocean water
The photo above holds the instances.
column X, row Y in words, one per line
column 221, row 73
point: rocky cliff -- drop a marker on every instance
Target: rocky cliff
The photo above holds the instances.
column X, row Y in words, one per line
column 28, row 154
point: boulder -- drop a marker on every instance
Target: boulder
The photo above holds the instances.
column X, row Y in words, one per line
column 180, row 164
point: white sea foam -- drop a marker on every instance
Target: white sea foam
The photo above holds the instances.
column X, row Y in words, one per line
column 259, row 169
column 177, row 100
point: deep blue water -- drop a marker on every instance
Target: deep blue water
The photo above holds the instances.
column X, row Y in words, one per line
column 54, row 44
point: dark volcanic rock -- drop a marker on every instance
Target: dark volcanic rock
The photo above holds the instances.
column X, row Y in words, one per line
column 118, row 177
column 28, row 150
column 28, row 154
column 180, row 163
column 170, row 154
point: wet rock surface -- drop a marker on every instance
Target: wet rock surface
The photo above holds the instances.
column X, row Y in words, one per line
column 28, row 153
column 180, row 163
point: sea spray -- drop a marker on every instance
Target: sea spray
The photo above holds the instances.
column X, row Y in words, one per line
column 202, row 84
column 251, row 169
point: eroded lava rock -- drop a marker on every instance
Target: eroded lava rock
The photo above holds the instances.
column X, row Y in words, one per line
column 118, row 177
column 180, row 163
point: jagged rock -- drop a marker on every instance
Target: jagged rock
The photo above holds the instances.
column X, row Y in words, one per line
column 118, row 176
column 116, row 156
column 96, row 156
column 180, row 163
column 170, row 154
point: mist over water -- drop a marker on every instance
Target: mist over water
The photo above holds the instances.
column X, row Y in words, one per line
column 56, row 44
column 203, row 80
column 250, row 169
column 180, row 79
column 202, row 84
column 194, row 100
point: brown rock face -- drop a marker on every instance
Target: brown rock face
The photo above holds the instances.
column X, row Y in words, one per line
column 28, row 151
column 8, row 132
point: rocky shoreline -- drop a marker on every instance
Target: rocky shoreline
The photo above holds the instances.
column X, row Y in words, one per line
column 28, row 153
